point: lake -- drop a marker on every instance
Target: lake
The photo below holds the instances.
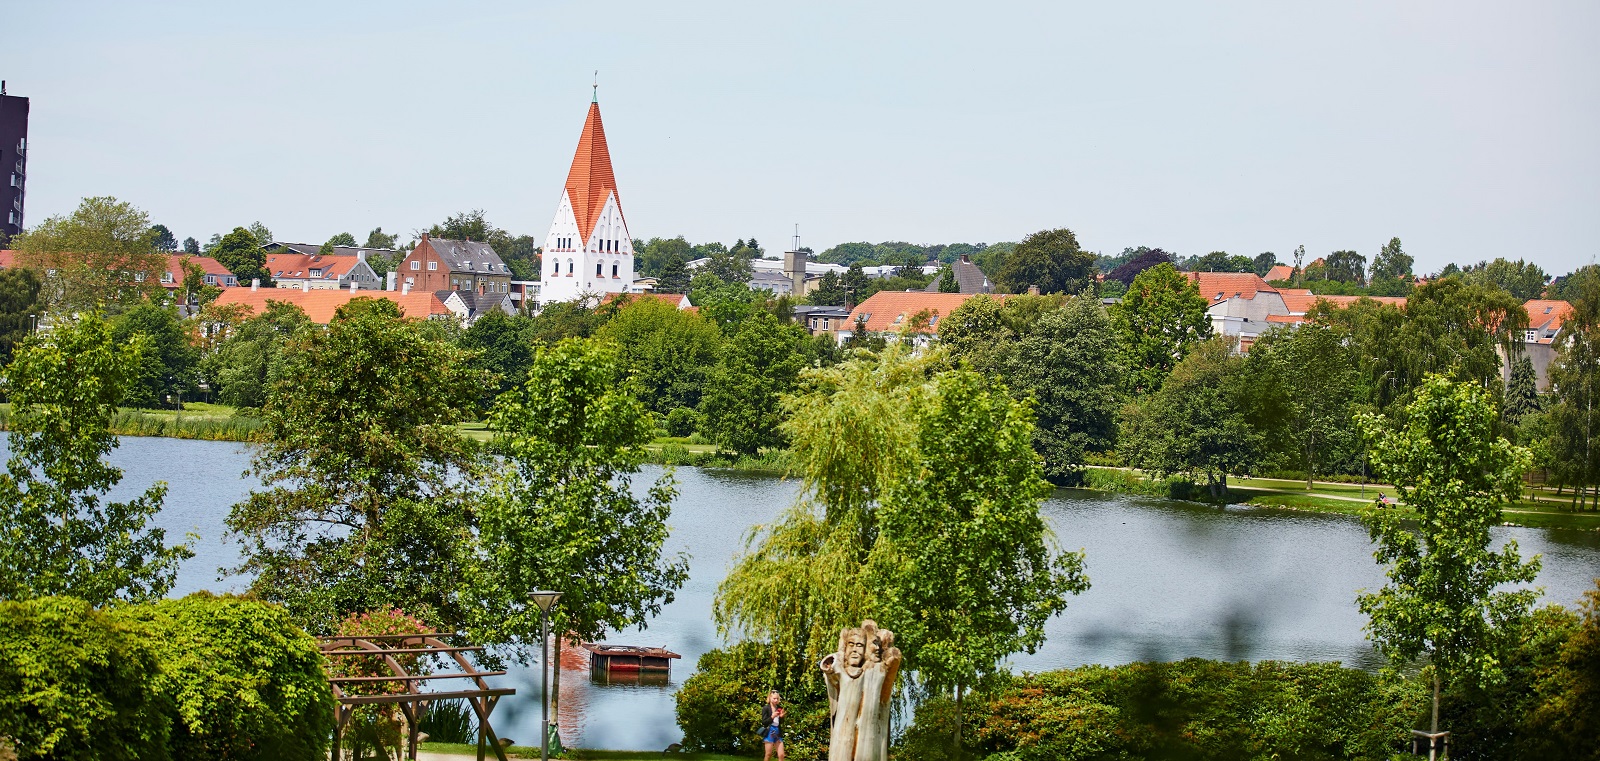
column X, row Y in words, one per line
column 1169, row 580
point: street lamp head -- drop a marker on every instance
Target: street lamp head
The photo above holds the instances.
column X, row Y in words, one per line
column 545, row 599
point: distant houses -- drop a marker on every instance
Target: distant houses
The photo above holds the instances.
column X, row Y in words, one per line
column 321, row 304
column 291, row 268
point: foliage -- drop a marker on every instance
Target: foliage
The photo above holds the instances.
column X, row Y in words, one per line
column 379, row 239
column 1449, row 466
column 247, row 361
column 1158, row 319
column 657, row 254
column 19, row 308
column 167, row 366
column 342, row 239
column 162, row 238
column 244, row 683
column 240, row 251
column 728, row 266
column 673, row 277
column 1522, row 392
column 963, row 567
column 669, row 351
column 1221, row 261
column 1191, row 709
column 79, row 684
column 725, row 303
column 1196, row 424
column 947, row 281
column 896, row 251
column 361, row 507
column 1050, row 259
column 377, row 726
column 1142, row 259
column 56, row 536
column 502, row 347
column 1575, row 381
column 1068, row 363
column 1306, row 391
column 191, row 246
column 1346, row 267
column 100, row 257
column 759, row 363
column 1523, row 280
column 1263, row 263
column 562, row 513
column 719, row 706
column 1392, row 262
column 978, row 333
column 682, row 421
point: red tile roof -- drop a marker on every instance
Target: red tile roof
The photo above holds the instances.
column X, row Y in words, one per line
column 1290, row 318
column 8, row 258
column 320, row 305
column 1344, row 301
column 299, row 266
column 1298, row 300
column 1220, row 286
column 207, row 265
column 888, row 311
column 1278, row 272
column 591, row 181
column 1546, row 316
column 676, row 299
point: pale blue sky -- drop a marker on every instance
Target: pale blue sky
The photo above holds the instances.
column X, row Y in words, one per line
column 1469, row 129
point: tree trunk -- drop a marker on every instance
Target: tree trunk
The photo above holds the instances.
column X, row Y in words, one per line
column 959, row 711
column 1435, row 730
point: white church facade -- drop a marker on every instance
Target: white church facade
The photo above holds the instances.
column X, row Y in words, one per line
column 588, row 251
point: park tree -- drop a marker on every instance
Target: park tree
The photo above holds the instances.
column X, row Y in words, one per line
column 978, row 334
column 1346, row 267
column 1049, row 259
column 363, row 501
column 1197, row 424
column 1575, row 383
column 669, row 351
column 241, row 253
column 501, row 346
column 1311, row 385
column 1263, row 263
column 1069, row 364
column 102, row 256
column 246, row 363
column 162, row 238
column 561, row 511
column 1142, row 259
column 1450, row 467
column 1222, row 261
column 1524, row 280
column 19, row 308
column 1158, row 319
column 1522, row 392
column 726, row 303
column 1392, row 263
column 761, row 362
column 57, row 535
column 168, row 364
column 964, row 565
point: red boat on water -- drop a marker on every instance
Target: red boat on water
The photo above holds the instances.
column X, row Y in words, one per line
column 629, row 658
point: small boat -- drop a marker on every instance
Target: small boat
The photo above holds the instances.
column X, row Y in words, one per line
column 603, row 657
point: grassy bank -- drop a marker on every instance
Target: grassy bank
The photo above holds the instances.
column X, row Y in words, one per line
column 1347, row 499
column 206, row 422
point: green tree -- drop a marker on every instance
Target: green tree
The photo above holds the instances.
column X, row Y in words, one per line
column 656, row 254
column 857, row 286
column 501, row 345
column 1311, row 383
column 261, row 234
column 1575, row 383
column 1159, row 318
column 964, row 565
column 978, row 333
column 364, row 502
column 1068, row 363
column 379, row 239
column 1452, row 469
column 162, row 239
column 1196, row 425
column 1524, row 280
column 59, row 538
column 1263, row 263
column 195, row 290
column 730, row 267
column 100, row 257
column 1050, row 259
column 246, row 363
column 1522, row 392
column 1222, row 261
column 19, row 308
column 947, row 281
column 562, row 513
column 342, row 239
column 669, row 351
column 1346, row 267
column 828, row 292
column 168, row 364
column 1392, row 262
column 240, row 251
column 191, row 246
column 760, row 362
column 725, row 303
column 673, row 277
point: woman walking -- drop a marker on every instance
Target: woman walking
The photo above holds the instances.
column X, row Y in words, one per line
column 772, row 726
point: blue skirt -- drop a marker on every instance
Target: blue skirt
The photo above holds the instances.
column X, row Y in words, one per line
column 773, row 735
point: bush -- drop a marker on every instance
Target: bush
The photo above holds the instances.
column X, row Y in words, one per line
column 243, row 680
column 682, row 421
column 76, row 683
column 1192, row 709
column 719, row 707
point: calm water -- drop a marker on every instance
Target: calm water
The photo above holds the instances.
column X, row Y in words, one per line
column 1170, row 580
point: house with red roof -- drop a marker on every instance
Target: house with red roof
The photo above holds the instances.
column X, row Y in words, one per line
column 910, row 314
column 1279, row 272
column 588, row 249
column 290, row 268
column 1545, row 319
column 320, row 304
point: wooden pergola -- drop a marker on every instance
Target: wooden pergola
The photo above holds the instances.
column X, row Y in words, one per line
column 413, row 702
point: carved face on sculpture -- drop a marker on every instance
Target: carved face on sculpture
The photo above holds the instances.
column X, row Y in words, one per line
column 855, row 649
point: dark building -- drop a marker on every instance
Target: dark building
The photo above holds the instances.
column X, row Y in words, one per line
column 13, row 162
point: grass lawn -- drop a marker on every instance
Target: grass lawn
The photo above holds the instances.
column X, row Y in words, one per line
column 468, row 749
column 1535, row 514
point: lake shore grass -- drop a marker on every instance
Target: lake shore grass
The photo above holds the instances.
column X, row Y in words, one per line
column 197, row 420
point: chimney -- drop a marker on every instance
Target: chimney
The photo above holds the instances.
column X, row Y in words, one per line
column 361, row 256
column 1033, row 290
column 354, row 285
column 424, row 236
column 255, row 284
column 305, row 286
column 405, row 289
column 966, row 259
column 389, row 280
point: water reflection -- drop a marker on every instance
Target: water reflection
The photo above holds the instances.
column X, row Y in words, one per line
column 1170, row 580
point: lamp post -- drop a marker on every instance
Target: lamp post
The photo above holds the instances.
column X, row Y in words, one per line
column 545, row 600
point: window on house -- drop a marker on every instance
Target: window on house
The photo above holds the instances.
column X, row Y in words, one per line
column 433, row 266
column 166, row 277
column 415, row 264
column 598, row 269
column 614, row 270
column 569, row 267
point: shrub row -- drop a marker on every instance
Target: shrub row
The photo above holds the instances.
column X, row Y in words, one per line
column 1192, row 709
column 202, row 677
column 719, row 707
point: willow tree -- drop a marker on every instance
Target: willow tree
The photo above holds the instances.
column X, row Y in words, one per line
column 851, row 430
column 1448, row 464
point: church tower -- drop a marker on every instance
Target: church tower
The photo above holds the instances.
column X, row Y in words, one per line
column 588, row 250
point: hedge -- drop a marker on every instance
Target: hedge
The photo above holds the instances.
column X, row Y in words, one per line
column 719, row 707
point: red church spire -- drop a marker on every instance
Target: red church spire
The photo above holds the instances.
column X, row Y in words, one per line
column 590, row 180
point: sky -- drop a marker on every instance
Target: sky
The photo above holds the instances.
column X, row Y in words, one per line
column 1467, row 129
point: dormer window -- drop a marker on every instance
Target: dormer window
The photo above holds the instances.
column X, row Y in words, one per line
column 1547, row 310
